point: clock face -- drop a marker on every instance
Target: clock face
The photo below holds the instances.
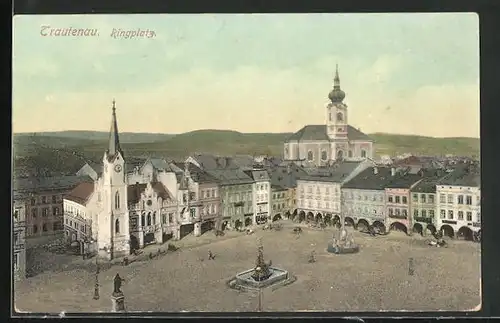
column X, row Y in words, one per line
column 118, row 168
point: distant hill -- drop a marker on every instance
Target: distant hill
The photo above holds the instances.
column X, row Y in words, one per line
column 73, row 147
column 125, row 137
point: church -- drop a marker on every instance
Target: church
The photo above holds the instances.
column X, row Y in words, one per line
column 320, row 145
column 128, row 207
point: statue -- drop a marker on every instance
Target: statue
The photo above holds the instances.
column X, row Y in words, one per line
column 118, row 284
column 261, row 271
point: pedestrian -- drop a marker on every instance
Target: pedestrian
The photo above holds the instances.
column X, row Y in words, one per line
column 210, row 255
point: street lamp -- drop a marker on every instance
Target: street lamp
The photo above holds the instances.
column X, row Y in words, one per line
column 96, row 287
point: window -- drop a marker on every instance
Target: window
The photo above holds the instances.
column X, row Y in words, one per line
column 349, row 153
column 461, row 215
column 154, row 218
column 478, row 200
column 424, row 213
column 450, row 199
column 170, row 217
column 16, row 215
column 310, row 155
column 405, row 200
column 44, row 227
column 329, row 116
column 363, row 153
column 66, row 221
column 415, row 197
column 422, row 198
column 54, row 199
column 143, row 220
column 149, row 218
column 44, row 199
column 55, row 210
column 99, row 197
column 163, row 218
column 117, row 200
column 340, row 129
column 35, row 229
column 478, row 216
column 450, row 214
column 469, row 216
column 390, row 198
column 192, row 196
column 443, row 214
column 398, row 212
column 54, row 226
column 366, row 197
column 431, row 198
column 468, row 201
column 340, row 117
column 398, row 199
column 460, row 199
column 323, row 155
column 15, row 262
column 415, row 213
column 391, row 212
column 71, row 223
column 33, row 201
column 16, row 238
column 274, row 207
column 192, row 212
column 45, row 211
column 431, row 213
column 405, row 212
column 442, row 198
column 117, row 226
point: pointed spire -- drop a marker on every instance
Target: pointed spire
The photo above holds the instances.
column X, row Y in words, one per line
column 114, row 141
column 336, row 80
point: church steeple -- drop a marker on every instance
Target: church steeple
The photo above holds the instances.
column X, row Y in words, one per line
column 336, row 95
column 114, row 140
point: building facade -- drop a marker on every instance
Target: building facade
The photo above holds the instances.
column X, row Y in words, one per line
column 364, row 198
column 43, row 197
column 18, row 239
column 319, row 192
column 280, row 202
column 423, row 204
column 236, row 189
column 261, row 195
column 459, row 202
column 319, row 145
column 398, row 198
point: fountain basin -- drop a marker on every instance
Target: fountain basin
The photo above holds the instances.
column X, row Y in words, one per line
column 244, row 279
column 338, row 249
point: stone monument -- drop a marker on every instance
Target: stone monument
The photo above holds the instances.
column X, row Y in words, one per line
column 117, row 298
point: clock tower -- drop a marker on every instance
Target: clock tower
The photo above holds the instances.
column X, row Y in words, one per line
column 113, row 231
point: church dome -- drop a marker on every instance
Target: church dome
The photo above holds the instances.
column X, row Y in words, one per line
column 336, row 95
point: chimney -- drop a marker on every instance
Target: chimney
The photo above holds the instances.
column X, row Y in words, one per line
column 393, row 171
column 375, row 170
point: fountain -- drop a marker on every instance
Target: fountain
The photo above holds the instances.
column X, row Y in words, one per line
column 263, row 275
column 343, row 243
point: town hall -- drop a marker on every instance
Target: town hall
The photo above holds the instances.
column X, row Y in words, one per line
column 319, row 145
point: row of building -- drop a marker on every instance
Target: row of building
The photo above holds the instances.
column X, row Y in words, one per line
column 124, row 204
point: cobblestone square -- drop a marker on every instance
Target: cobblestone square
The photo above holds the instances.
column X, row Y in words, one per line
column 375, row 279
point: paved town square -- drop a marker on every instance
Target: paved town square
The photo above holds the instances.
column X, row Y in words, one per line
column 375, row 279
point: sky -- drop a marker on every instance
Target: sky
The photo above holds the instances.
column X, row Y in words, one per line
column 406, row 73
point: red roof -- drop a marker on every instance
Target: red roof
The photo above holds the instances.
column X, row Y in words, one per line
column 81, row 193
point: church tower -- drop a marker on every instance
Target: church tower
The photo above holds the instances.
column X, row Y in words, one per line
column 336, row 120
column 114, row 232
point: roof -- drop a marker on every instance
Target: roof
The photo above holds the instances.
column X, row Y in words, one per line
column 81, row 193
column 32, row 184
column 404, row 178
column 368, row 180
column 197, row 174
column 428, row 184
column 258, row 175
column 231, row 176
column 318, row 132
column 162, row 191
column 463, row 176
column 335, row 173
column 285, row 176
